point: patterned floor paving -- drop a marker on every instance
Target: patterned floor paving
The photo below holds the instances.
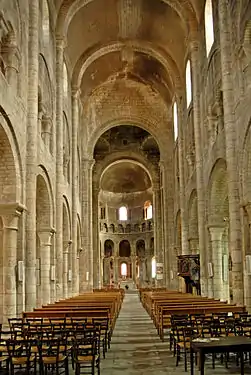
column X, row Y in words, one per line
column 137, row 350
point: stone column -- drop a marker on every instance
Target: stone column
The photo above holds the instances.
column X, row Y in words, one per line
column 216, row 233
column 86, row 259
column 158, row 251
column 69, row 279
column 183, row 212
column 75, row 125
column 10, row 218
column 60, row 45
column 133, row 258
column 65, row 268
column 247, row 277
column 45, row 237
column 167, row 197
column 231, row 152
column 79, row 251
column 199, row 165
column 95, row 245
column 116, row 269
column 31, row 157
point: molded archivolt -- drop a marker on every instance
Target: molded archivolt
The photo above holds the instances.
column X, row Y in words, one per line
column 218, row 193
column 124, row 249
column 112, row 102
column 44, row 185
column 66, row 220
column 246, row 168
column 11, row 182
column 141, row 122
column 69, row 8
column 193, row 216
column 44, row 205
column 108, row 248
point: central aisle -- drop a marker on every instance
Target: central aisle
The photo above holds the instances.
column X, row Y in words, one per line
column 137, row 350
column 135, row 347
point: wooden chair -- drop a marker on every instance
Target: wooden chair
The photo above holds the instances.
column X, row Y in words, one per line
column 86, row 355
column 53, row 355
column 20, row 356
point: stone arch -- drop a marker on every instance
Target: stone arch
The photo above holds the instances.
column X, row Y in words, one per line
column 144, row 123
column 11, row 182
column 67, row 11
column 124, row 249
column 67, row 217
column 246, row 167
column 44, row 206
column 89, row 57
column 193, row 234
column 11, row 41
column 108, row 248
column 43, row 174
column 101, row 167
column 218, row 193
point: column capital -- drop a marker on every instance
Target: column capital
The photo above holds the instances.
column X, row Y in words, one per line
column 156, row 187
column 216, row 231
column 75, row 91
column 193, row 46
column 10, row 213
column 88, row 163
column 45, row 235
column 61, row 42
column 66, row 245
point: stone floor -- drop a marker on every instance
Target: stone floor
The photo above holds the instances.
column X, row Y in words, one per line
column 137, row 350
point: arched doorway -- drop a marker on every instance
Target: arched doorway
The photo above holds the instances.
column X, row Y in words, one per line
column 125, row 260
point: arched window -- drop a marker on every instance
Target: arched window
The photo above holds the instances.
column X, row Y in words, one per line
column 123, row 269
column 148, row 210
column 153, row 267
column 209, row 25
column 175, row 120
column 123, row 213
column 45, row 21
column 188, row 83
column 65, row 77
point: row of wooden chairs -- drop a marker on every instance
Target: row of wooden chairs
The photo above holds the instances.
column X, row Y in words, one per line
column 79, row 329
column 185, row 328
column 162, row 304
